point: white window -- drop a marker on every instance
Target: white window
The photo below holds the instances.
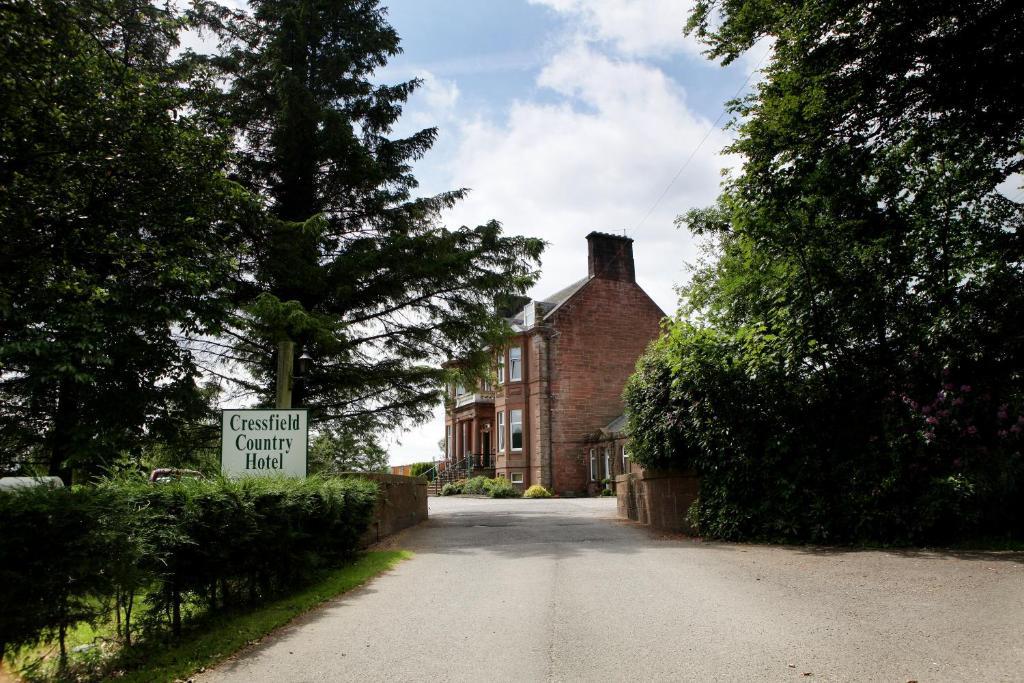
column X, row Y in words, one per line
column 517, row 477
column 459, row 390
column 625, row 460
column 501, row 432
column 448, row 441
column 515, row 364
column 593, row 465
column 515, row 424
column 608, row 462
column 528, row 315
column 501, row 367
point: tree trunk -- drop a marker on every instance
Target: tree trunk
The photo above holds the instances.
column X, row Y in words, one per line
column 62, row 436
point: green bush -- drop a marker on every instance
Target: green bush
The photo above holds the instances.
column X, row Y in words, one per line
column 824, row 454
column 453, row 488
column 607, row 492
column 77, row 554
column 424, row 469
column 537, row 491
column 477, row 486
column 502, row 488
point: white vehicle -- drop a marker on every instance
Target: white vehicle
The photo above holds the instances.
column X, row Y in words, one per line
column 12, row 483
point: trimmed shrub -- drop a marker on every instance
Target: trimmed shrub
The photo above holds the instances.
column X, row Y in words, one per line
column 503, row 488
column 80, row 554
column 453, row 488
column 537, row 491
column 476, row 485
column 607, row 492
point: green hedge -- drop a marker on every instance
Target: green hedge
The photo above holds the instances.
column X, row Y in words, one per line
column 827, row 454
column 128, row 547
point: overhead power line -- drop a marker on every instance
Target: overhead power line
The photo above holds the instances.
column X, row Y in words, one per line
column 696, row 149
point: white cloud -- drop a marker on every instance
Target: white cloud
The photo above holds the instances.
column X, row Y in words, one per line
column 595, row 152
column 595, row 160
column 640, row 28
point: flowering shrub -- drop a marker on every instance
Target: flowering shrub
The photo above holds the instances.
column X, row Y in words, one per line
column 537, row 491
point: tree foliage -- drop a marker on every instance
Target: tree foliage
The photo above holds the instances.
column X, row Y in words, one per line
column 337, row 452
column 117, row 229
column 353, row 267
column 847, row 360
column 166, row 218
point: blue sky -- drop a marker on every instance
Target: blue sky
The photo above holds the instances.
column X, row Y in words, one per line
column 562, row 117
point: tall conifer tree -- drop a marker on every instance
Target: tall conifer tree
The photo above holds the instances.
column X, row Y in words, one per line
column 354, row 268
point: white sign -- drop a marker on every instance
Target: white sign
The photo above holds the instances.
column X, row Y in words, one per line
column 263, row 443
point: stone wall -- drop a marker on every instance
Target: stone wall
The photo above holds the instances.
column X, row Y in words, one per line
column 402, row 503
column 658, row 499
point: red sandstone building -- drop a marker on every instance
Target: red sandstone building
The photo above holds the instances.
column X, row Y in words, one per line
column 553, row 414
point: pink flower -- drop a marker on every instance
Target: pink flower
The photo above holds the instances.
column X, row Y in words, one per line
column 929, row 436
column 972, row 430
column 949, row 386
column 945, row 372
column 1015, row 429
column 958, row 401
column 1002, row 433
column 945, row 413
column 1002, row 415
column 932, row 420
column 926, row 410
column 966, row 388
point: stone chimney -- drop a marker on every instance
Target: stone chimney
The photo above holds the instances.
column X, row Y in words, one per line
column 610, row 257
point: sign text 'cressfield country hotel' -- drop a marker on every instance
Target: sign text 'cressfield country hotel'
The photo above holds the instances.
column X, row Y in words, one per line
column 553, row 414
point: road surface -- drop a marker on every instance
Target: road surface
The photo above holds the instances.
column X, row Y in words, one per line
column 532, row 590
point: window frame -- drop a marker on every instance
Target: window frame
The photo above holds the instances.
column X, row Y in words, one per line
column 593, row 464
column 512, row 434
column 513, row 475
column 608, row 462
column 515, row 364
column 501, row 431
column 501, row 367
column 625, row 460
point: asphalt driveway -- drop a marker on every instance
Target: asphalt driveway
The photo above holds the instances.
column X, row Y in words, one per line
column 524, row 590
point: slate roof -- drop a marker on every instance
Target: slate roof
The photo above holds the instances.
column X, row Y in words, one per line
column 616, row 426
column 561, row 295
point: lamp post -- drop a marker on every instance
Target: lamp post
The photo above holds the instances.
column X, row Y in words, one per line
column 287, row 372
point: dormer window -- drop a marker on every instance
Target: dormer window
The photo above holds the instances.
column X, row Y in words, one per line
column 515, row 364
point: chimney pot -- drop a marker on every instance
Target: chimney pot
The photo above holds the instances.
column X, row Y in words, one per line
column 610, row 257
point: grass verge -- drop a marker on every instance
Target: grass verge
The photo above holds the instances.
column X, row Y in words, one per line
column 222, row 636
column 211, row 638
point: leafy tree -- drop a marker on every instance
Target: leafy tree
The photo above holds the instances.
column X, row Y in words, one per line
column 337, row 452
column 847, row 359
column 354, row 268
column 426, row 469
column 118, row 228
